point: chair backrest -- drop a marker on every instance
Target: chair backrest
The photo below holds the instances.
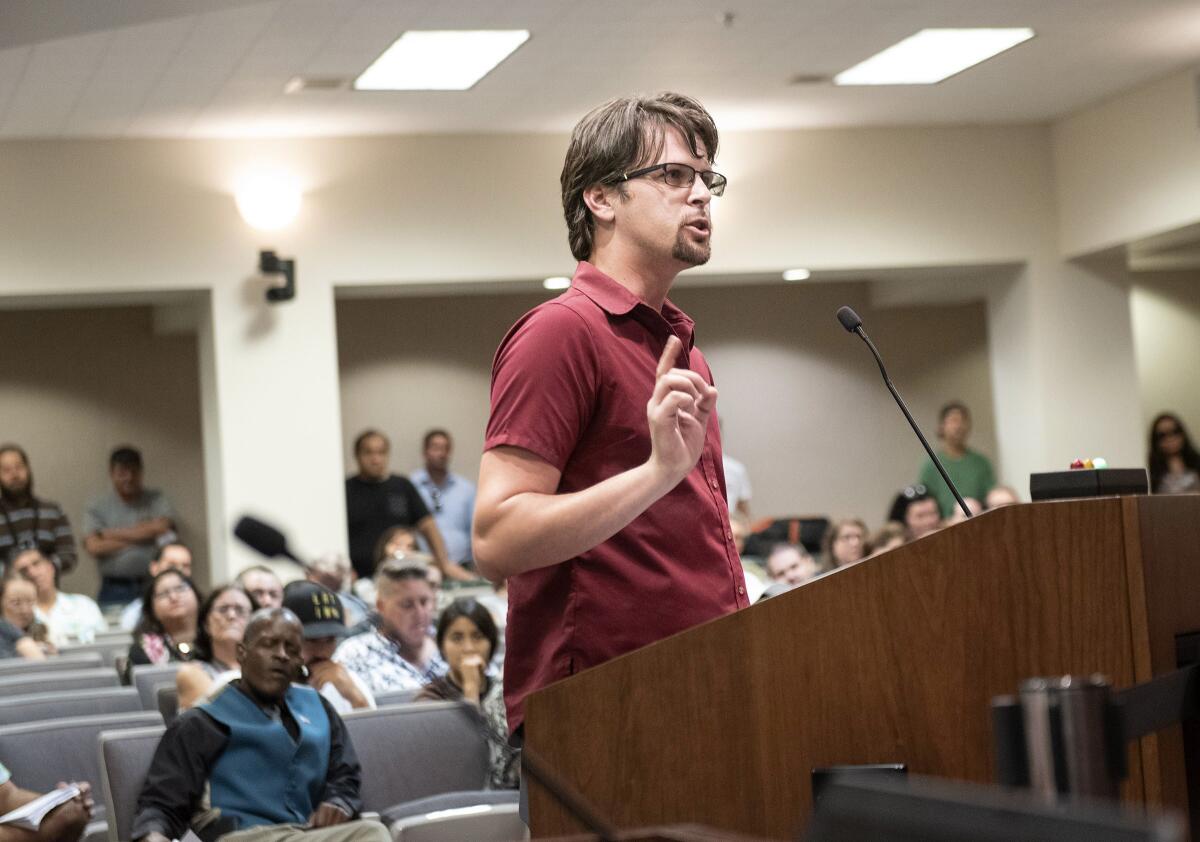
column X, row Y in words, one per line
column 168, row 702
column 40, row 754
column 446, row 736
column 46, row 682
column 109, row 650
column 124, row 761
column 484, row 823
column 147, row 677
column 55, row 663
column 395, row 697
column 35, row 707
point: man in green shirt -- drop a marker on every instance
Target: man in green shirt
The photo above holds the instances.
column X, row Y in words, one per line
column 970, row 470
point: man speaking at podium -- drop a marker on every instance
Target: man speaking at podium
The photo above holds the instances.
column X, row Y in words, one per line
column 601, row 495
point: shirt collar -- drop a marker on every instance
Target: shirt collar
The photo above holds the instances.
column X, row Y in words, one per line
column 616, row 300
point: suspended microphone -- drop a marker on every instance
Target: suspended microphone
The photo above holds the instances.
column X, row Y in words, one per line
column 852, row 323
column 264, row 539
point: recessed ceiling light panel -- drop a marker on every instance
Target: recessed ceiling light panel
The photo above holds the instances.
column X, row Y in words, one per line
column 440, row 60
column 555, row 284
column 932, row 55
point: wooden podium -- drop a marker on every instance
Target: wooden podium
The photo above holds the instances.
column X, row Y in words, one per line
column 892, row 660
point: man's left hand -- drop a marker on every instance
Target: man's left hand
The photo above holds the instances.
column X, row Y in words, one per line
column 327, row 815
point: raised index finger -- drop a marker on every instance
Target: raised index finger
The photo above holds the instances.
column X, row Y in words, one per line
column 670, row 353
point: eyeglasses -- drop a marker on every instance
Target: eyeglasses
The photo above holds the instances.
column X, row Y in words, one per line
column 232, row 612
column 682, row 175
column 167, row 593
column 1166, row 434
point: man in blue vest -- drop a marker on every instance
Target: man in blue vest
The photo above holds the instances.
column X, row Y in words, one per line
column 266, row 760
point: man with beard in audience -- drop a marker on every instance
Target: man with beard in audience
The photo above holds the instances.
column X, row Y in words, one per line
column 26, row 521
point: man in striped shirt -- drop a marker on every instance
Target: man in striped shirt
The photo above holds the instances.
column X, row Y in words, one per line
column 27, row 522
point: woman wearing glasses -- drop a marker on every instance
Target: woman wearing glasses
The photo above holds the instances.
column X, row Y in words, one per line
column 219, row 629
column 1174, row 462
column 167, row 631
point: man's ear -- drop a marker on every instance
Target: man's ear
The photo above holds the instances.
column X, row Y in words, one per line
column 599, row 200
column 241, row 653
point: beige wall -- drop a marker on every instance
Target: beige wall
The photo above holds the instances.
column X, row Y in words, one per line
column 1166, row 329
column 802, row 401
column 75, row 383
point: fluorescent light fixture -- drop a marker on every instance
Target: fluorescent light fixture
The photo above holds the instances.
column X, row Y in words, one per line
column 440, row 60
column 556, row 284
column 796, row 274
column 931, row 56
column 268, row 199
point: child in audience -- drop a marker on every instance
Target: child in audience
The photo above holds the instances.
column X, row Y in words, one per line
column 167, row 631
column 17, row 600
column 466, row 637
column 844, row 543
column 219, row 629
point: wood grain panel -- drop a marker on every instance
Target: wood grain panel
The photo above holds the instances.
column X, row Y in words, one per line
column 895, row 659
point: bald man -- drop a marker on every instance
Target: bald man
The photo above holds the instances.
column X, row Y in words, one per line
column 274, row 757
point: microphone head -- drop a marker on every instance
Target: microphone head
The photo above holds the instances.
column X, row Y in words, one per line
column 261, row 537
column 849, row 319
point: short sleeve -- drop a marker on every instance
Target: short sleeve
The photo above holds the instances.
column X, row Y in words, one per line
column 161, row 507
column 93, row 518
column 545, row 380
column 416, row 503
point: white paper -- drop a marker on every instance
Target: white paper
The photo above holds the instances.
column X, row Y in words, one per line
column 29, row 816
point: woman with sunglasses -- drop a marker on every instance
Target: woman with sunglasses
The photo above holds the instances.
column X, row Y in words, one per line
column 167, row 631
column 219, row 629
column 1174, row 462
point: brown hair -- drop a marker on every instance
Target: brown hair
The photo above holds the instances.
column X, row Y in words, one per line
column 828, row 562
column 620, row 136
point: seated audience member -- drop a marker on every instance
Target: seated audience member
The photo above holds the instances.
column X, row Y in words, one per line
column 791, row 564
column 844, row 543
column 1174, row 462
column 999, row 496
column 917, row 510
column 26, row 520
column 67, row 617
column 970, row 470
column 321, row 613
column 957, row 516
column 263, row 586
column 16, row 612
column 167, row 631
column 172, row 556
column 466, row 638
column 333, row 571
column 887, row 537
column 219, row 630
column 65, row 823
column 265, row 760
column 123, row 527
column 399, row 655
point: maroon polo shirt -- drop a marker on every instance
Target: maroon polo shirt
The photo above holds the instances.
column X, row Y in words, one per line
column 570, row 384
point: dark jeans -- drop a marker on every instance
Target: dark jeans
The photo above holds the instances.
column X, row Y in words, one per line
column 121, row 592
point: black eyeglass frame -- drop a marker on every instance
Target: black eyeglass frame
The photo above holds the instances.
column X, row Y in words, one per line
column 715, row 182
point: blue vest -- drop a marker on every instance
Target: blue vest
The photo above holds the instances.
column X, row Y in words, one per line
column 264, row 777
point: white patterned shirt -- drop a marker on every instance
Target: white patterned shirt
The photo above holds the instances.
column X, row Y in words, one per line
column 376, row 660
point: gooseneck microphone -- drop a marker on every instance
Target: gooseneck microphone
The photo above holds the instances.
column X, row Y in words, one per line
column 852, row 323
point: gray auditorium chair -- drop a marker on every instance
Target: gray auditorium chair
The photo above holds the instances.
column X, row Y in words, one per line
column 168, row 702
column 452, row 774
column 147, row 677
column 54, row 663
column 38, row 706
column 56, row 682
column 124, row 761
column 488, row 823
column 108, row 651
column 40, row 754
column 395, row 697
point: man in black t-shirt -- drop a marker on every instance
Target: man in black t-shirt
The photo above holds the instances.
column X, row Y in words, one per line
column 377, row 500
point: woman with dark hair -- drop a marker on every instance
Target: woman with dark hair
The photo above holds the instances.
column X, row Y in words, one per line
column 167, row 631
column 844, row 543
column 466, row 637
column 1174, row 462
column 219, row 629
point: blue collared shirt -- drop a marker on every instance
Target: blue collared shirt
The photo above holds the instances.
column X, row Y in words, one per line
column 452, row 506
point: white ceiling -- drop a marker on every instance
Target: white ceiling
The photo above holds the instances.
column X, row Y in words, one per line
column 217, row 68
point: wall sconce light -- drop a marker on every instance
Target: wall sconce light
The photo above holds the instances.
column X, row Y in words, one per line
column 270, row 263
column 268, row 201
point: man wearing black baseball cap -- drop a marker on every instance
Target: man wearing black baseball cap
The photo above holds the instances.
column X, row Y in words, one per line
column 320, row 613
